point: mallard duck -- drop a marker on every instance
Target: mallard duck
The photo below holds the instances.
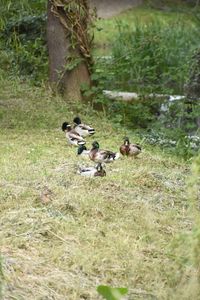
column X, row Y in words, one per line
column 72, row 136
column 129, row 149
column 92, row 171
column 82, row 151
column 98, row 155
column 82, row 129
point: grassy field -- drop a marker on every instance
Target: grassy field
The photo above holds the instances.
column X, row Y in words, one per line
column 61, row 235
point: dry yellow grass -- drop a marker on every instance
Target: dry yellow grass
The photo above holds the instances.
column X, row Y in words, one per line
column 131, row 228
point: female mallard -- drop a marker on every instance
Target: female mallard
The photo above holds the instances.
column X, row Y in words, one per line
column 98, row 155
column 72, row 136
column 129, row 149
column 82, row 129
column 93, row 171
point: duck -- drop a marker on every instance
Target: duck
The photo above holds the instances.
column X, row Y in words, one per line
column 129, row 149
column 98, row 155
column 92, row 171
column 83, row 151
column 82, row 129
column 72, row 136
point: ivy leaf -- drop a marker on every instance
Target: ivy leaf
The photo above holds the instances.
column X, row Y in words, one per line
column 110, row 293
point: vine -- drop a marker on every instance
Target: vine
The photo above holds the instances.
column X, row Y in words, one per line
column 78, row 20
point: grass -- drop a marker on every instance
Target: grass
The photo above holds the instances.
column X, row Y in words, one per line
column 107, row 29
column 62, row 235
column 130, row 229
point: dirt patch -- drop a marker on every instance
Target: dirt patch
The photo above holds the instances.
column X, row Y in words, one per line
column 110, row 8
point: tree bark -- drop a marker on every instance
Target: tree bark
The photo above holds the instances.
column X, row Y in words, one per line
column 66, row 80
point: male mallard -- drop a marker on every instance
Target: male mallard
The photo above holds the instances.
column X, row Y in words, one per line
column 82, row 151
column 82, row 129
column 129, row 149
column 92, row 171
column 72, row 136
column 98, row 155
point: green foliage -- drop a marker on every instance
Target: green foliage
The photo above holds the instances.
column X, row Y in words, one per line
column 177, row 128
column 109, row 293
column 22, row 40
column 152, row 57
column 72, row 62
column 174, row 141
column 14, row 10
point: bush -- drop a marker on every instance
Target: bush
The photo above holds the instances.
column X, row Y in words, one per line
column 23, row 40
column 151, row 58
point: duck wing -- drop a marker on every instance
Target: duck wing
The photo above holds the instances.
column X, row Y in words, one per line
column 88, row 171
column 74, row 138
column 134, row 149
column 107, row 155
column 84, row 129
column 136, row 146
column 74, row 135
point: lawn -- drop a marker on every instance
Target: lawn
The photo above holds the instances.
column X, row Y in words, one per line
column 131, row 229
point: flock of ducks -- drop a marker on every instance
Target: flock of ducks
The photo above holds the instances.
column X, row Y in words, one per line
column 76, row 136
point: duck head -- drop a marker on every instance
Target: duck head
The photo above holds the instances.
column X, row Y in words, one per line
column 100, row 171
column 81, row 148
column 126, row 141
column 95, row 145
column 77, row 121
column 66, row 126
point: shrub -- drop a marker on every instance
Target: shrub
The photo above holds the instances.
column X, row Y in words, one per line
column 152, row 57
column 22, row 39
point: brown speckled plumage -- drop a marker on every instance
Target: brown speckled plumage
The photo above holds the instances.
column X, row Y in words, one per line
column 129, row 149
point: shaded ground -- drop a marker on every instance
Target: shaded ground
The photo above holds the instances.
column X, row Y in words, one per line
column 109, row 8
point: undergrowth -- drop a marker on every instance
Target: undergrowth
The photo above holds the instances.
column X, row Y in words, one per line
column 156, row 56
column 23, row 40
column 151, row 57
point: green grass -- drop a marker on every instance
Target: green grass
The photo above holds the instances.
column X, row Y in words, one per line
column 107, row 29
column 130, row 229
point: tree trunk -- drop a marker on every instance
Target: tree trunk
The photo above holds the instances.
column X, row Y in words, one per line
column 61, row 75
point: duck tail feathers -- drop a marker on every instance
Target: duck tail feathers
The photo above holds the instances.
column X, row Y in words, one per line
column 117, row 155
column 81, row 142
column 91, row 131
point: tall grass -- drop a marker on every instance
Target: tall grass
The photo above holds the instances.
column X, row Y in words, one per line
column 1, row 277
column 152, row 57
column 185, row 247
